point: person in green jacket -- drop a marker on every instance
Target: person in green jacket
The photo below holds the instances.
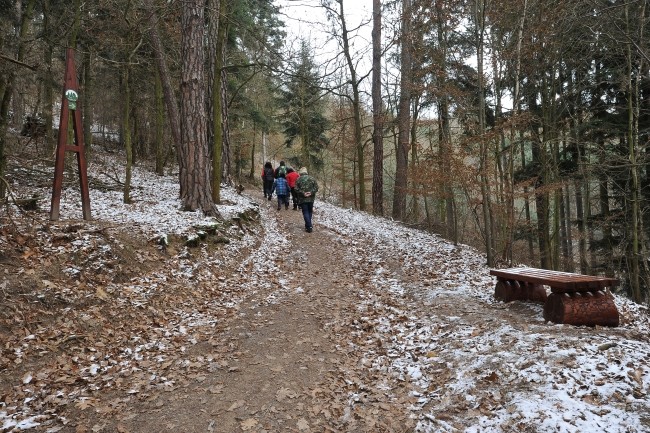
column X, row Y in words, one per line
column 306, row 188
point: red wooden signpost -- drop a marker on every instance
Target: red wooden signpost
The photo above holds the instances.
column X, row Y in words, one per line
column 68, row 104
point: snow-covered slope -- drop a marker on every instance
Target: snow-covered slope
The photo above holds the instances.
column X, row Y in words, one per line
column 477, row 365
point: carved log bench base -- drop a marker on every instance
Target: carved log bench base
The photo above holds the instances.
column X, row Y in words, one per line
column 513, row 290
column 575, row 299
column 581, row 309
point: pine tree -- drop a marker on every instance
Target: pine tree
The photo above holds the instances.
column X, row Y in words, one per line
column 304, row 118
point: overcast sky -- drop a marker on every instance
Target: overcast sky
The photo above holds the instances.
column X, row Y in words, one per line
column 303, row 16
column 307, row 19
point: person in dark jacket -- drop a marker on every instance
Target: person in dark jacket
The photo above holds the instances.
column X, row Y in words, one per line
column 268, row 176
column 306, row 188
column 282, row 169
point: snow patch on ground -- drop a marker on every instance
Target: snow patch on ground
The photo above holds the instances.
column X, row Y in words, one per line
column 501, row 377
column 592, row 380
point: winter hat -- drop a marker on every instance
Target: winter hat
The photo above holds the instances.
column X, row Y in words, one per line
column 303, row 170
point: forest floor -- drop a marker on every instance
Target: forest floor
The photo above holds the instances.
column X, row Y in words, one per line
column 360, row 326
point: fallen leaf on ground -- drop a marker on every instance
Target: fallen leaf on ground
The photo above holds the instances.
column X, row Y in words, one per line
column 236, row 405
column 302, row 424
column 284, row 393
column 248, row 424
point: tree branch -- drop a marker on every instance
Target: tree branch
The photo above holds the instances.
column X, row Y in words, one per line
column 18, row 62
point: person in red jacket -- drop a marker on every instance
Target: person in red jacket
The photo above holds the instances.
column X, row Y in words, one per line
column 292, row 177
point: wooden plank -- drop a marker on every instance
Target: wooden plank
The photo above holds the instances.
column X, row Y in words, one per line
column 557, row 280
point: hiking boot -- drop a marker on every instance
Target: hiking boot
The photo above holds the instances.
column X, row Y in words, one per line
column 295, row 207
column 309, row 229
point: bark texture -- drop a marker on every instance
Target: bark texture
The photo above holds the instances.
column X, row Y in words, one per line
column 195, row 175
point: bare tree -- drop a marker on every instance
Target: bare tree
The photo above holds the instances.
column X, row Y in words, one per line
column 479, row 26
column 377, row 114
column 404, row 117
column 351, row 60
column 165, row 80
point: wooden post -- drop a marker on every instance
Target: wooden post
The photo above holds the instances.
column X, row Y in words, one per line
column 68, row 103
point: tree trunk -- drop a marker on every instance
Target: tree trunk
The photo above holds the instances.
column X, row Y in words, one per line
column 218, row 104
column 76, row 24
column 356, row 109
column 170, row 99
column 87, row 100
column 568, row 253
column 404, row 117
column 414, row 213
column 444, row 133
column 555, row 239
column 9, row 90
column 540, row 160
column 195, row 173
column 634, row 195
column 516, row 108
column 582, row 236
column 159, row 147
column 126, row 125
column 251, row 174
column 48, row 79
column 344, row 178
column 483, row 159
column 212, row 17
column 377, row 114
column 226, row 151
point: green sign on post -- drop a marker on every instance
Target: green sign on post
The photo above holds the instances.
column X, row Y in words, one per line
column 72, row 97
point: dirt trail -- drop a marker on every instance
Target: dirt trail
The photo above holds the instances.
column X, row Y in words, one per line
column 364, row 326
column 285, row 367
column 337, row 332
column 297, row 357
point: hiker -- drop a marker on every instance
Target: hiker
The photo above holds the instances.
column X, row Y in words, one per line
column 306, row 188
column 268, row 176
column 292, row 177
column 282, row 168
column 281, row 188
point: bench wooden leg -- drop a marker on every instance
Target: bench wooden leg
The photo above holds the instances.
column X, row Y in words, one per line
column 502, row 290
column 507, row 291
column 536, row 292
column 511, row 290
column 581, row 309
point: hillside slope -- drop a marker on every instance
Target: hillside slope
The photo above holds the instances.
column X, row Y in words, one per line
column 139, row 321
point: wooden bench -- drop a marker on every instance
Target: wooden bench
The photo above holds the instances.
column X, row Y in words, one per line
column 574, row 299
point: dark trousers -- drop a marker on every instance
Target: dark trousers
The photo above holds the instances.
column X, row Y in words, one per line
column 294, row 197
column 283, row 200
column 307, row 212
column 268, row 187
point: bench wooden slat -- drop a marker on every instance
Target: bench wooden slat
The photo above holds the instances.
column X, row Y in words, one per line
column 555, row 279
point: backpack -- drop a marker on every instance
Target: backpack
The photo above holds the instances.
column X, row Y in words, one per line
column 282, row 170
column 268, row 173
column 307, row 186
